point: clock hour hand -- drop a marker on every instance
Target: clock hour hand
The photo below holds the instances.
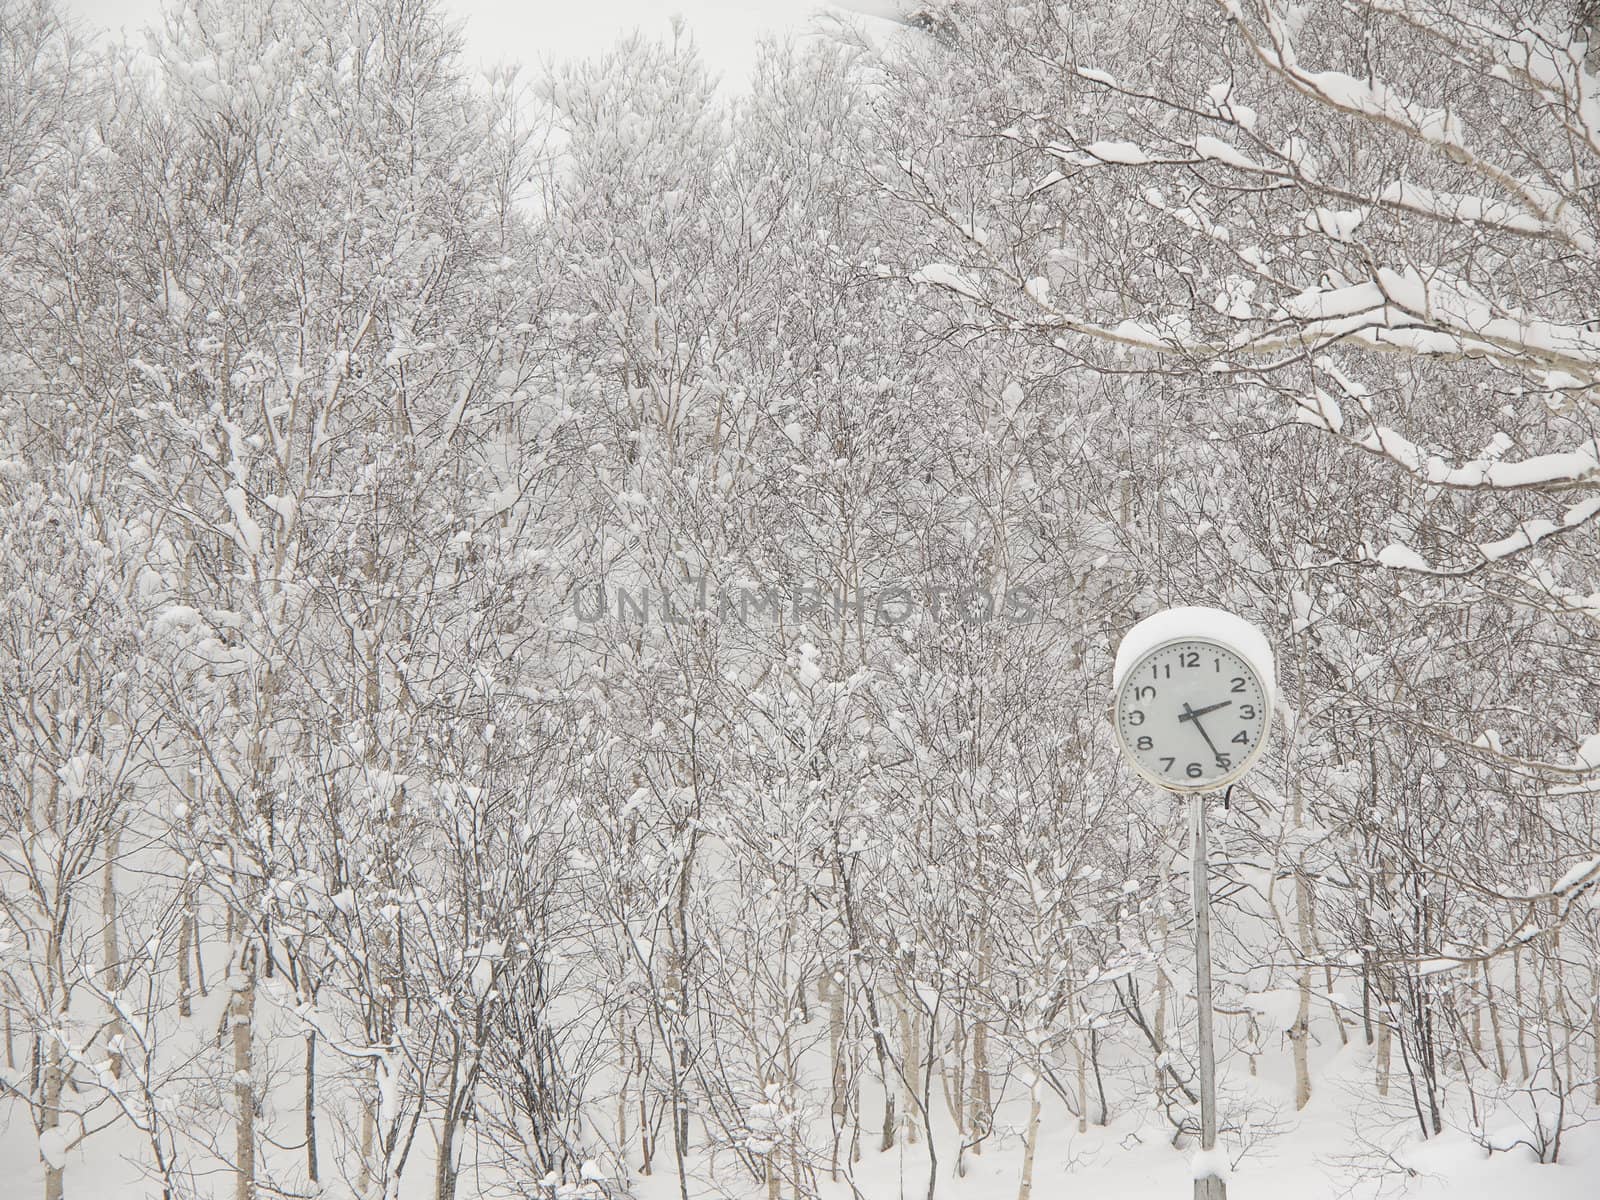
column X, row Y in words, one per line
column 1194, row 714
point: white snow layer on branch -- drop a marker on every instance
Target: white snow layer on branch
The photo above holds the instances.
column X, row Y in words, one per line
column 1394, row 303
column 1455, row 206
column 948, row 276
column 1127, row 153
column 1528, row 534
column 247, row 533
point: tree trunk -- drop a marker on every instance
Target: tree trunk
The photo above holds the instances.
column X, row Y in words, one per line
column 1384, row 1053
column 622, row 1088
column 1522, row 1022
column 51, row 1056
column 911, row 1049
column 199, row 960
column 445, row 1186
column 978, row 1111
column 1031, row 1146
column 879, row 1040
column 1300, row 1032
column 241, row 1016
column 457, row 1104
column 1594, row 1028
column 111, row 971
column 369, row 1133
column 1083, row 1087
column 185, row 932
column 839, row 1101
column 955, row 1090
column 50, row 1100
column 311, row 1105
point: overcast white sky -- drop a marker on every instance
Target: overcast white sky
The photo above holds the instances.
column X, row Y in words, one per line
column 531, row 31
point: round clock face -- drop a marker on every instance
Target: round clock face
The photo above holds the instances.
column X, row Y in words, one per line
column 1191, row 715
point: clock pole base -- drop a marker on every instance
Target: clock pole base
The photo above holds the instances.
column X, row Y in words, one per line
column 1210, row 1188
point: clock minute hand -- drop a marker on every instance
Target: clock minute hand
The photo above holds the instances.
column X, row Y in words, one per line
column 1191, row 714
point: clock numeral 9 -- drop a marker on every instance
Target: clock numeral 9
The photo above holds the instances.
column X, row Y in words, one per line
column 1135, row 716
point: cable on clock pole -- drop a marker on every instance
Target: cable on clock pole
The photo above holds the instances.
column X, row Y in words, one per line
column 1207, row 1186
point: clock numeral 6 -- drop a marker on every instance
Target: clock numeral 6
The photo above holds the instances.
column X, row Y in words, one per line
column 1194, row 770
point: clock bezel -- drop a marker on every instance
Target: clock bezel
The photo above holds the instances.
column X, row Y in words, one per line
column 1268, row 700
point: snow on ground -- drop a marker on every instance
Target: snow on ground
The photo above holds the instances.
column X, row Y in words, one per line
column 1333, row 1150
column 1322, row 1153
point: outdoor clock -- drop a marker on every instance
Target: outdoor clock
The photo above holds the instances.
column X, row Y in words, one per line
column 1194, row 692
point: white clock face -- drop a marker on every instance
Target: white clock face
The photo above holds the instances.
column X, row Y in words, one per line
column 1191, row 715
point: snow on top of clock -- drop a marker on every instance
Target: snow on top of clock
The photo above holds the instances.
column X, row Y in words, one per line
column 1197, row 621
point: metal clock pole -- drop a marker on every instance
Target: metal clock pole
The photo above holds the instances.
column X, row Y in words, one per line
column 1209, row 1187
column 1155, row 733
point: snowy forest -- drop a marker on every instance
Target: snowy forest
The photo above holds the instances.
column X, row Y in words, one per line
column 556, row 623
